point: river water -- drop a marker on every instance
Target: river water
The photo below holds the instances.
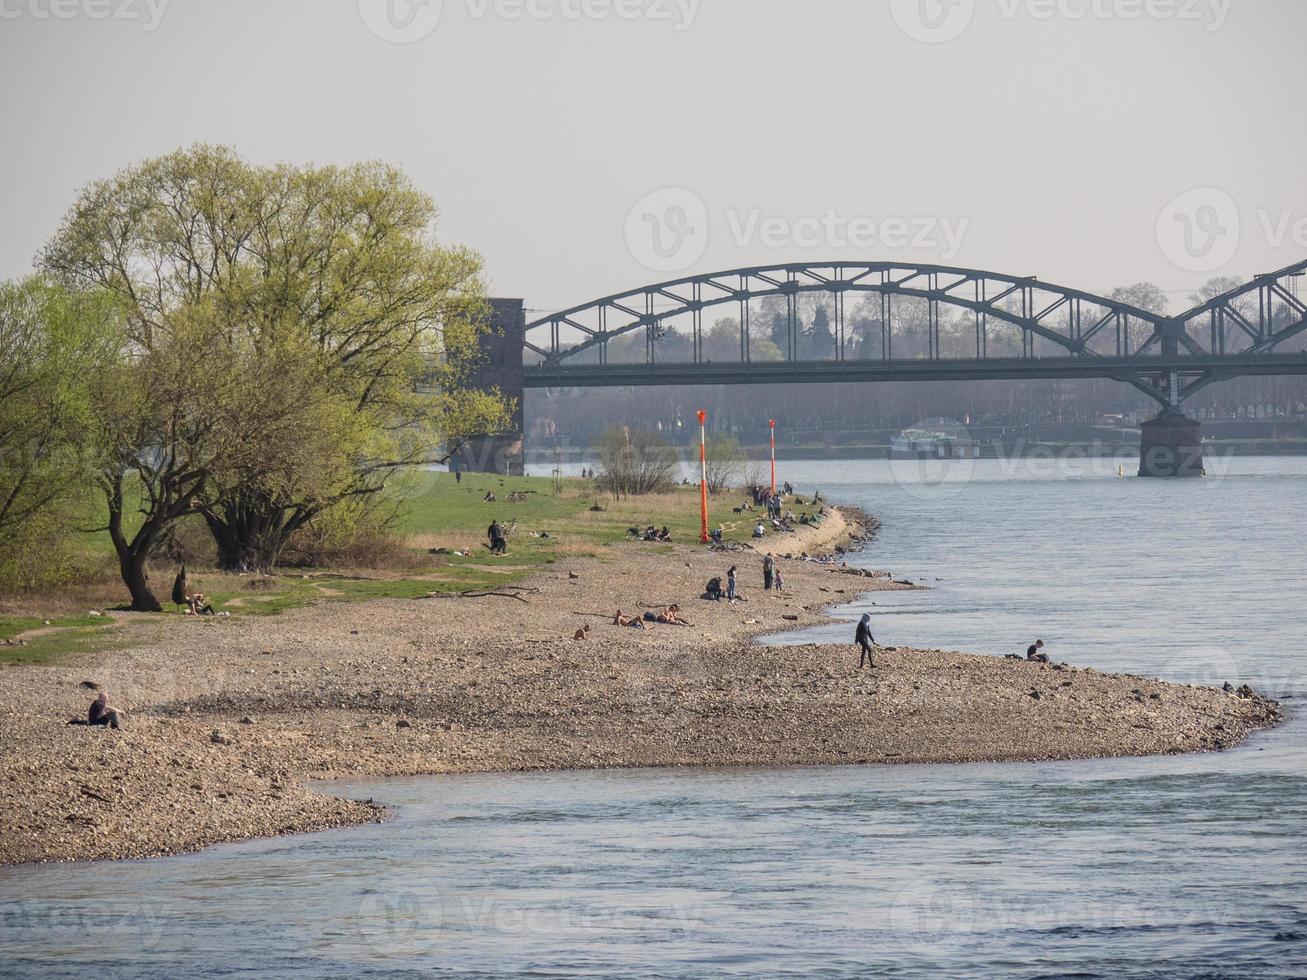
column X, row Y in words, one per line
column 1168, row 867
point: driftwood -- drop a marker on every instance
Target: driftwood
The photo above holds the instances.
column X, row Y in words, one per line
column 519, row 595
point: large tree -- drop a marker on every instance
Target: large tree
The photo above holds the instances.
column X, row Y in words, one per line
column 331, row 271
column 179, row 420
column 52, row 344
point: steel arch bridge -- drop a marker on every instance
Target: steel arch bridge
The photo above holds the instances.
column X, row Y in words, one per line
column 1061, row 332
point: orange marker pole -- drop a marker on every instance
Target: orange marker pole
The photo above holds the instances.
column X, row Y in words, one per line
column 703, row 476
column 772, row 423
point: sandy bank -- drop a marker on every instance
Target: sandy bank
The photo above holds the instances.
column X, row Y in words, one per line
column 226, row 718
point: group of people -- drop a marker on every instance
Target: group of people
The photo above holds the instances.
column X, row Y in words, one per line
column 670, row 616
column 652, row 533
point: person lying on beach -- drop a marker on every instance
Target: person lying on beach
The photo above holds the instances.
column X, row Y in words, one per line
column 636, row 621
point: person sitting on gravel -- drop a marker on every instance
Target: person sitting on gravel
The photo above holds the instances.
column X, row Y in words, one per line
column 583, row 633
column 101, row 714
column 713, row 591
column 197, row 606
column 1032, row 652
column 759, row 530
column 672, row 616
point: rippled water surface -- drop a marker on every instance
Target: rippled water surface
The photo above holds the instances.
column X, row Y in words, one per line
column 1189, row 866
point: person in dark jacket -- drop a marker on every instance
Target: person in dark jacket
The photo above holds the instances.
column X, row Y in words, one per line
column 865, row 641
column 101, row 714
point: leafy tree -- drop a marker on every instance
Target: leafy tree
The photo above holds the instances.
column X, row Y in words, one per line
column 725, row 462
column 1214, row 288
column 331, row 273
column 177, row 418
column 1144, row 295
column 52, row 344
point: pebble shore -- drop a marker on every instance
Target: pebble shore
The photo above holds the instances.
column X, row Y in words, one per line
column 227, row 719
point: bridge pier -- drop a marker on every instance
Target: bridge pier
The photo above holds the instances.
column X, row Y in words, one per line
column 1171, row 445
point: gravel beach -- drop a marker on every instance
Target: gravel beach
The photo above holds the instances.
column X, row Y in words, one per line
column 227, row 718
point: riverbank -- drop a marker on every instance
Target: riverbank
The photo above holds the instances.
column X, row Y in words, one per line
column 227, row 718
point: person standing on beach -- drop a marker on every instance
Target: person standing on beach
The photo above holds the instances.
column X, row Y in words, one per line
column 768, row 571
column 730, row 584
column 865, row 641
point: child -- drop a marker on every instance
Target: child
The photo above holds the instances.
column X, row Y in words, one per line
column 730, row 585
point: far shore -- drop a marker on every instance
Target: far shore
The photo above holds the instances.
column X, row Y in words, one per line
column 228, row 719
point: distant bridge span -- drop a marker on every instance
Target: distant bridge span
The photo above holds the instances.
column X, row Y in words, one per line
column 1012, row 327
column 1021, row 327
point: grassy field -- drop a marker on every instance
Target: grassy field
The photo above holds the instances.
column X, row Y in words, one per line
column 435, row 512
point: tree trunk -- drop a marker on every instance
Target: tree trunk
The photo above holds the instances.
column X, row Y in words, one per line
column 132, row 566
column 250, row 532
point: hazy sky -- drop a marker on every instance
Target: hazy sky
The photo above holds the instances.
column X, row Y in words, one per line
column 1090, row 142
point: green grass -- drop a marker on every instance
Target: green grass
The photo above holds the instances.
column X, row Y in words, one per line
column 53, row 638
column 434, row 510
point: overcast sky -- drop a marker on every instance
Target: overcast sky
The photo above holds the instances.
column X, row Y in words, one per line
column 587, row 146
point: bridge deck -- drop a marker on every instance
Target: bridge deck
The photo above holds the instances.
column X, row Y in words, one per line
column 1222, row 367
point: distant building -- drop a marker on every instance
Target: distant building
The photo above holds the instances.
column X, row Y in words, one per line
column 500, row 452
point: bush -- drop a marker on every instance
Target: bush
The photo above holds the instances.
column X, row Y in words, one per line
column 635, row 463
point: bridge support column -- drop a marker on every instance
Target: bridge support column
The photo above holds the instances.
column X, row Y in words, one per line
column 500, row 452
column 1171, row 445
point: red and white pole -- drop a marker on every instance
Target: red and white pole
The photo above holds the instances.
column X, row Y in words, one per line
column 772, row 423
column 703, row 477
